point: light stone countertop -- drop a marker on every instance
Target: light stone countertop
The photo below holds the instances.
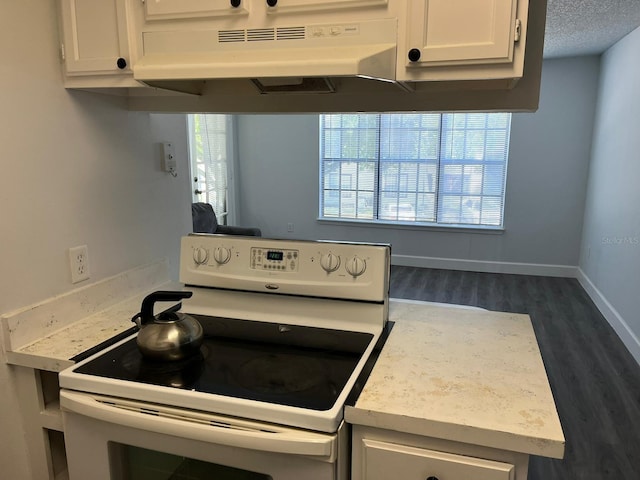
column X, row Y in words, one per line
column 46, row 335
column 54, row 351
column 465, row 375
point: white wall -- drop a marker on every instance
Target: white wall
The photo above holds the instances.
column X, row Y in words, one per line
column 610, row 257
column 77, row 169
column 548, row 166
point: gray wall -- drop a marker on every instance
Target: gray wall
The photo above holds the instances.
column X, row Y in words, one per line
column 548, row 166
column 77, row 169
column 610, row 256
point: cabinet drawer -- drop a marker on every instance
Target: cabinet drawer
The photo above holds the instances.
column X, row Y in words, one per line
column 383, row 461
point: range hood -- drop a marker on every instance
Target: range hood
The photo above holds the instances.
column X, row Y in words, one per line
column 299, row 59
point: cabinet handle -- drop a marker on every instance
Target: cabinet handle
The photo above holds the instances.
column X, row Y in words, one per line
column 414, row 56
column 272, row 3
column 432, row 478
column 121, row 63
column 235, row 3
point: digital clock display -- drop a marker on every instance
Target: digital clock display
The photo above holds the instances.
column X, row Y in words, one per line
column 275, row 256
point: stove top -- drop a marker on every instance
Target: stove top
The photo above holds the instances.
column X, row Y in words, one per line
column 290, row 328
column 290, row 365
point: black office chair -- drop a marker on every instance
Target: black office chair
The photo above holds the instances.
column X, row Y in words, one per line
column 205, row 221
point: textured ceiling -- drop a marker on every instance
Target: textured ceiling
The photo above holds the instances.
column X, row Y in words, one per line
column 585, row 27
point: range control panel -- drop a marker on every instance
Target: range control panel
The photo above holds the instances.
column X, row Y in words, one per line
column 356, row 271
column 274, row 259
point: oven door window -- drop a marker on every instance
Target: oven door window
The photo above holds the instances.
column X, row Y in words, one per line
column 135, row 463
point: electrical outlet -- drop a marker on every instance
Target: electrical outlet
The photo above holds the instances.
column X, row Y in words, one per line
column 289, row 227
column 79, row 263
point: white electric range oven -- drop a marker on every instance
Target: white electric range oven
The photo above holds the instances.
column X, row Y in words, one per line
column 291, row 329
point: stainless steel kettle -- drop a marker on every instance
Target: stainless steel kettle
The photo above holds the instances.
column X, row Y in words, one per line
column 170, row 335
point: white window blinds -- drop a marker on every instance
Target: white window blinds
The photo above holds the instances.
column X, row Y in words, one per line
column 426, row 168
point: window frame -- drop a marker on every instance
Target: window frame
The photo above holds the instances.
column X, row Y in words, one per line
column 439, row 163
column 228, row 216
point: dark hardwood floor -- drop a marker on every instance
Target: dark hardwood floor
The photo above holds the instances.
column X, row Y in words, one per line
column 594, row 379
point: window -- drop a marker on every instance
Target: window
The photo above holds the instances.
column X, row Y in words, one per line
column 418, row 168
column 211, row 150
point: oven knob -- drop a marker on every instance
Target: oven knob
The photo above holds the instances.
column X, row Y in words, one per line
column 200, row 256
column 330, row 262
column 356, row 266
column 222, row 255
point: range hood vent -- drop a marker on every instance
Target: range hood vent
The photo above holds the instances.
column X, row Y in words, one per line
column 365, row 49
column 294, row 85
column 261, row 34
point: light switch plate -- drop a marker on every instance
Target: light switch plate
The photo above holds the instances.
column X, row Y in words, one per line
column 169, row 163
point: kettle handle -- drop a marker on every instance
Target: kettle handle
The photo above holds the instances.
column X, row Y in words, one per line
column 146, row 311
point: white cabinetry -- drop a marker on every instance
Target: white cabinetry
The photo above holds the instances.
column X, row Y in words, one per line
column 94, row 36
column 471, row 53
column 314, row 5
column 384, row 460
column 174, row 9
column 42, row 422
column 463, row 40
column 447, row 32
column 382, row 455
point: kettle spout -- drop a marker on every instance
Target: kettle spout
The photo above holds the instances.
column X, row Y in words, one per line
column 137, row 319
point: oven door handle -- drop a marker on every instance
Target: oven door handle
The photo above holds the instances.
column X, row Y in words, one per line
column 202, row 427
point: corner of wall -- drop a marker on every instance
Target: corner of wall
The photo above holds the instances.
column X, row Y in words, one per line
column 619, row 325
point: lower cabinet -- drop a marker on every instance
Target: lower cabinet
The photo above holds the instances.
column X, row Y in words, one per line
column 42, row 422
column 383, row 455
column 384, row 460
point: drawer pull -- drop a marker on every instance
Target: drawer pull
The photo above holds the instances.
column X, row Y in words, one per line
column 432, row 478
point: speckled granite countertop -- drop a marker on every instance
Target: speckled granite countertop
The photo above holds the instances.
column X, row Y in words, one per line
column 47, row 335
column 465, row 375
column 54, row 351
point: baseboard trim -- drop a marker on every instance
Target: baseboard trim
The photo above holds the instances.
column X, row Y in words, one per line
column 612, row 316
column 567, row 271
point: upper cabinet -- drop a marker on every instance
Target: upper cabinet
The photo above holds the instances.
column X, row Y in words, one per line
column 463, row 40
column 95, row 37
column 283, row 6
column 363, row 55
column 194, row 9
column 175, row 9
column 443, row 32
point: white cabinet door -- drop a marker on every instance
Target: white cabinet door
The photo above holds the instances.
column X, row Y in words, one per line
column 454, row 32
column 384, row 461
column 94, row 36
column 174, row 9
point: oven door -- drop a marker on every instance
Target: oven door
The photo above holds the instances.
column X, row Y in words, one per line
column 108, row 438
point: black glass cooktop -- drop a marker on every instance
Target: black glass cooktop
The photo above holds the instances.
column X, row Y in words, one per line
column 290, row 365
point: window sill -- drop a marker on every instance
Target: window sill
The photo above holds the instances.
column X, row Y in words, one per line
column 414, row 226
